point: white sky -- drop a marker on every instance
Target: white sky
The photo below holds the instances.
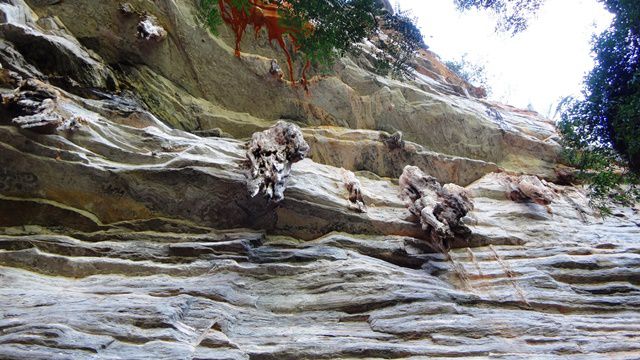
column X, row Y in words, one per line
column 539, row 66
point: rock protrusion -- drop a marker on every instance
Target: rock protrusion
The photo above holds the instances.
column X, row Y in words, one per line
column 271, row 154
column 9, row 79
column 33, row 106
column 355, row 190
column 393, row 141
column 275, row 70
column 149, row 29
column 127, row 9
column 438, row 208
column 528, row 188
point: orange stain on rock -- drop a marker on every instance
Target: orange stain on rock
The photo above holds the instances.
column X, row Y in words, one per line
column 262, row 15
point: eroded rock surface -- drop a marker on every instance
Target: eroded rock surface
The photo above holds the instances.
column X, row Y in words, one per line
column 528, row 188
column 393, row 141
column 428, row 111
column 122, row 237
column 34, row 107
column 149, row 29
column 439, row 209
column 366, row 150
column 271, row 154
column 353, row 186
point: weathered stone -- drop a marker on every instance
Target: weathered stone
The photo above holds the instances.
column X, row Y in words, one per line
column 124, row 237
column 393, row 141
column 427, row 111
column 149, row 29
column 127, row 9
column 9, row 79
column 51, row 54
column 439, row 209
column 33, row 107
column 12, row 60
column 355, row 190
column 528, row 188
column 362, row 150
column 275, row 70
column 47, row 2
column 271, row 154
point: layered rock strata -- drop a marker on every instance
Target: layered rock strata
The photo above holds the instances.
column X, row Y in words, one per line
column 207, row 88
column 124, row 236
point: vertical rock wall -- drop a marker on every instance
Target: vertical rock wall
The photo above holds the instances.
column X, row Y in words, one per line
column 122, row 236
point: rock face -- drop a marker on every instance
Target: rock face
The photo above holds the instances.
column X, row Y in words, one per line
column 123, row 236
column 33, row 106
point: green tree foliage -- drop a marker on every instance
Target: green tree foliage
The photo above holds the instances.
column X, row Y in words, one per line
column 513, row 15
column 601, row 133
column 403, row 39
column 610, row 114
column 209, row 15
column 599, row 165
column 337, row 25
column 470, row 72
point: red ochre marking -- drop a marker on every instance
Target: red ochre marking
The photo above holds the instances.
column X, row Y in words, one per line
column 261, row 15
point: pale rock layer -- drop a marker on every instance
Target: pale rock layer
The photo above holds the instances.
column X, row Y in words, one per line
column 123, row 237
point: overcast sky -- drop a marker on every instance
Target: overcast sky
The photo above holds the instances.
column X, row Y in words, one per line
column 538, row 66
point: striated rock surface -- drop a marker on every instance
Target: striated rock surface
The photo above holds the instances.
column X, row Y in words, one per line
column 366, row 150
column 123, row 236
column 33, row 106
column 197, row 66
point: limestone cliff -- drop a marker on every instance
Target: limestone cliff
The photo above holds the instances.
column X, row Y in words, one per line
column 128, row 231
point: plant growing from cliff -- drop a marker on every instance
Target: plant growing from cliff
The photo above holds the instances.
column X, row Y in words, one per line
column 609, row 115
column 470, row 72
column 399, row 38
column 336, row 25
column 319, row 30
column 599, row 165
column 209, row 15
column 601, row 132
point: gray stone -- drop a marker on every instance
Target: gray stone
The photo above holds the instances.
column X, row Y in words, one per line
column 270, row 154
column 149, row 29
column 439, row 209
column 123, row 237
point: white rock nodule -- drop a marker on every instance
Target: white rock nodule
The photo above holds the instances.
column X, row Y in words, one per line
column 149, row 29
column 271, row 154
